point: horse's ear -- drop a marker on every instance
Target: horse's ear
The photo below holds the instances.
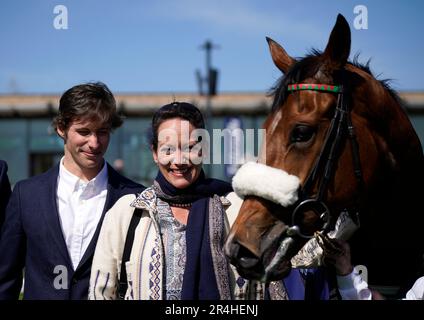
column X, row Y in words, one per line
column 280, row 57
column 338, row 47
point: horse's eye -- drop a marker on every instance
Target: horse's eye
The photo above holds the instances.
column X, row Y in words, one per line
column 302, row 133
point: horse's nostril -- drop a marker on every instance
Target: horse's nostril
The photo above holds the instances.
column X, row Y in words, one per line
column 231, row 249
column 240, row 255
column 246, row 258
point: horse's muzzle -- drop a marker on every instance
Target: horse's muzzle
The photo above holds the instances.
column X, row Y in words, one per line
column 247, row 263
column 268, row 265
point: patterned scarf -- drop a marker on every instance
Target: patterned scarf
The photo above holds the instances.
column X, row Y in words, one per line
column 206, row 273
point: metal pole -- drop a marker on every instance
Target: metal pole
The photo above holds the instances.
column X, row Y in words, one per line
column 208, row 46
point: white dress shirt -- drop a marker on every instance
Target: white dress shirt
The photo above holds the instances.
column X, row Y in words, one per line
column 417, row 290
column 80, row 205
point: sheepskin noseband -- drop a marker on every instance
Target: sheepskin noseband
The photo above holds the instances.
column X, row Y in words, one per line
column 276, row 185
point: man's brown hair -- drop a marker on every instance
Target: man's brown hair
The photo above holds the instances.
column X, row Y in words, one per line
column 87, row 101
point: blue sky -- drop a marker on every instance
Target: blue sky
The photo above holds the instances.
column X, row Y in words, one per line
column 153, row 46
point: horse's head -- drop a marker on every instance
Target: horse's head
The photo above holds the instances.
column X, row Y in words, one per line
column 325, row 146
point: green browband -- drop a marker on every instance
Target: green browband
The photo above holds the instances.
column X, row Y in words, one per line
column 313, row 86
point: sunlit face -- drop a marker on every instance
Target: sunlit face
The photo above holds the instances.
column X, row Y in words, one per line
column 86, row 142
column 178, row 154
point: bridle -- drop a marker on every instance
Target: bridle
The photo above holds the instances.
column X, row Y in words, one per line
column 341, row 128
column 311, row 197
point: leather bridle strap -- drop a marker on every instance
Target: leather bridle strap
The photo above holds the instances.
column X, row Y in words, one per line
column 340, row 127
column 329, row 152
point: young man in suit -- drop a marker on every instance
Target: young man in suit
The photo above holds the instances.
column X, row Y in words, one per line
column 4, row 190
column 53, row 220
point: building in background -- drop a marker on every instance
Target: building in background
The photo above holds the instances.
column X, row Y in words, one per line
column 30, row 146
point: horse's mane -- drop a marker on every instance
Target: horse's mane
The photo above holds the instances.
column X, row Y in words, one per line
column 308, row 66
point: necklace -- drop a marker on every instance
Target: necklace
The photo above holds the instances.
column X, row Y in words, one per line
column 180, row 205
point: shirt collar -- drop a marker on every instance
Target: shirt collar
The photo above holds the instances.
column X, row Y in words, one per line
column 73, row 182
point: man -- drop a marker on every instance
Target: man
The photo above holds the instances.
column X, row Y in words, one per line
column 4, row 190
column 53, row 220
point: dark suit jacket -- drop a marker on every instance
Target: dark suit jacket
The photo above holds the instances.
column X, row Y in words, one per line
column 32, row 238
column 4, row 190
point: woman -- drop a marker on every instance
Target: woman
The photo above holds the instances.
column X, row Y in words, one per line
column 177, row 250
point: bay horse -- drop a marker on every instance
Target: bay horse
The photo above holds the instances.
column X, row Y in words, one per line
column 336, row 139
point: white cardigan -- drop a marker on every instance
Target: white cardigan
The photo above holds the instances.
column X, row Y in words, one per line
column 106, row 265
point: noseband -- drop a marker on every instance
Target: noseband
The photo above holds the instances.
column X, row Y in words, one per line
column 340, row 128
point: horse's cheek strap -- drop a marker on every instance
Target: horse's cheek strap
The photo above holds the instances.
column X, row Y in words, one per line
column 273, row 184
